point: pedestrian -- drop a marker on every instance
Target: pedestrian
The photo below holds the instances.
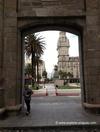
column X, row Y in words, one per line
column 56, row 86
column 27, row 98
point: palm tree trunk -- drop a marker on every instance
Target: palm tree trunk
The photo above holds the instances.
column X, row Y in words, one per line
column 37, row 72
column 33, row 68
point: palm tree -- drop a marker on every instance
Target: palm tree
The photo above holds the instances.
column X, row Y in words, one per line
column 38, row 62
column 34, row 47
column 28, row 69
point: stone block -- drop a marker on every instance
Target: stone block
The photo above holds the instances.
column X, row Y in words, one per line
column 9, row 35
column 11, row 59
column 51, row 7
column 10, row 44
column 92, row 62
column 24, row 13
column 10, row 13
column 10, row 29
column 10, row 4
column 51, row 3
column 92, row 20
column 31, row 4
column 92, row 12
column 91, row 53
column 50, row 0
column 92, row 4
column 11, row 22
column 57, row 11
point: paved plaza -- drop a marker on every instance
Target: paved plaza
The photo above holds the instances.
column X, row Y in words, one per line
column 49, row 90
column 51, row 111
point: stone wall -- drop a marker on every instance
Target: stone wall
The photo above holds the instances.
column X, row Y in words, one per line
column 10, row 63
column 1, row 58
column 92, row 53
column 79, row 15
column 50, row 7
column 1, row 33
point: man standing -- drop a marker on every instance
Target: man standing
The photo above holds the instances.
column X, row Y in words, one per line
column 27, row 97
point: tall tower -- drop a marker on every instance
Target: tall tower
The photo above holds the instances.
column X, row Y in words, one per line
column 63, row 51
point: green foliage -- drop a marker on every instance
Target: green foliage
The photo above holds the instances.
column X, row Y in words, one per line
column 28, row 69
column 65, row 75
column 68, row 87
column 34, row 43
column 44, row 74
column 70, row 75
column 55, row 68
column 34, row 47
column 39, row 76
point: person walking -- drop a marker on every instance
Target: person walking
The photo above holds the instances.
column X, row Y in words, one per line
column 27, row 98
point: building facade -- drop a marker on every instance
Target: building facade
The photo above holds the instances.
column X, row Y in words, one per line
column 41, row 67
column 41, row 70
column 65, row 62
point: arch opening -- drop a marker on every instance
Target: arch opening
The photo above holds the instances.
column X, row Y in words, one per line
column 77, row 30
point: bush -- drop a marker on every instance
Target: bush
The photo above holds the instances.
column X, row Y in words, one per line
column 68, row 87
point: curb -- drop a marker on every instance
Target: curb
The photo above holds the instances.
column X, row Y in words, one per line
column 67, row 94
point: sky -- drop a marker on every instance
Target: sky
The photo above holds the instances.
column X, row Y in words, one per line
column 50, row 53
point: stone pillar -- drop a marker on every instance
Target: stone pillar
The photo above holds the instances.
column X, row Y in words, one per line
column 12, row 91
column 2, row 109
column 92, row 55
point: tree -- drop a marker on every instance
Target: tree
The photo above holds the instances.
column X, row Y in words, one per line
column 63, row 75
column 34, row 47
column 70, row 75
column 44, row 74
column 38, row 62
column 55, row 68
column 28, row 69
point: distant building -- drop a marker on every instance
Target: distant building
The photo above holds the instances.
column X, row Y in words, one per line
column 41, row 67
column 65, row 62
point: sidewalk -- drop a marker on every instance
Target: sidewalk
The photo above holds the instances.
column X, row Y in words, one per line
column 40, row 92
column 50, row 111
column 50, row 90
column 68, row 92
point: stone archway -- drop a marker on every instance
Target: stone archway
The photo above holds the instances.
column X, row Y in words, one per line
column 63, row 24
column 18, row 17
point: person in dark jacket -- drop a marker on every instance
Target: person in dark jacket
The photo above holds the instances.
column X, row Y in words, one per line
column 27, row 97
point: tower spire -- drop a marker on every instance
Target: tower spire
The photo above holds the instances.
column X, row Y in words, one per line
column 63, row 50
column 63, row 40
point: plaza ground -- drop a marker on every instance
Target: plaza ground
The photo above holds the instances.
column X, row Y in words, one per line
column 50, row 111
column 50, row 90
